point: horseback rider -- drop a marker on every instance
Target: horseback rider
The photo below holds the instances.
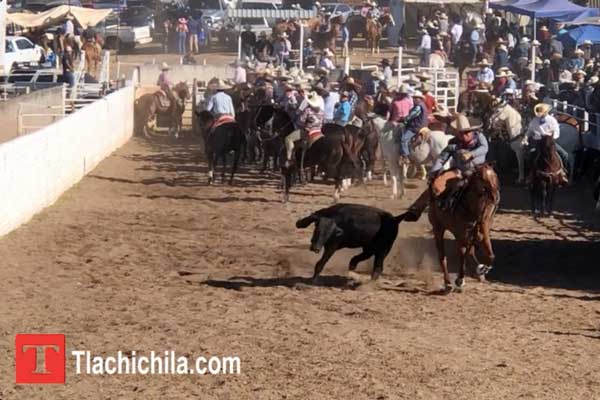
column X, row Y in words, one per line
column 310, row 122
column 325, row 25
column 220, row 104
column 465, row 151
column 545, row 124
column 415, row 120
column 342, row 112
column 89, row 34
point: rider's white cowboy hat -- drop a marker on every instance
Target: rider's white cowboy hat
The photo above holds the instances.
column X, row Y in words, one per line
column 164, row 66
column 542, row 109
column 524, row 39
column 314, row 100
column 483, row 63
column 464, row 124
column 587, row 43
column 418, row 94
column 403, row 89
column 378, row 75
column 593, row 80
column 309, row 40
column 221, row 85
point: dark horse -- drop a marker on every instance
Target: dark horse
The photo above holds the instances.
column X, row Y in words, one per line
column 219, row 142
column 547, row 168
column 271, row 140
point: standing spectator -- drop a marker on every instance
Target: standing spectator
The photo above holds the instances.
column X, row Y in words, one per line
column 69, row 26
column 282, row 49
column 330, row 99
column 182, row 30
column 248, row 41
column 387, row 70
column 309, row 54
column 326, row 60
column 475, row 40
column 345, row 40
column 443, row 22
column 193, row 30
column 455, row 37
column 264, row 48
column 167, row 28
column 501, row 56
column 425, row 48
column 68, row 68
column 239, row 72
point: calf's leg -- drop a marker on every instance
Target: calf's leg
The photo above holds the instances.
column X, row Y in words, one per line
column 366, row 254
column 327, row 253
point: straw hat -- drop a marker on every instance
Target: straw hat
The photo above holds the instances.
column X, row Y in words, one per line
column 418, row 94
column 593, row 80
column 314, row 100
column 524, row 39
column 587, row 42
column 541, row 109
column 441, row 112
column 544, row 28
column 164, row 66
column 483, row 63
column 221, row 85
column 463, row 124
column 424, row 76
column 403, row 89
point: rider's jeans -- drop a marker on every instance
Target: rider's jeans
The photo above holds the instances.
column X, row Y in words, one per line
column 407, row 135
column 289, row 142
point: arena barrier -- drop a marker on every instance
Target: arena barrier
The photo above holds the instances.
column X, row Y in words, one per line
column 149, row 73
column 589, row 124
column 36, row 169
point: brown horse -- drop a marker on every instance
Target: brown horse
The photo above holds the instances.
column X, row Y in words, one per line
column 325, row 40
column 547, row 170
column 470, row 222
column 92, row 58
column 149, row 105
column 374, row 31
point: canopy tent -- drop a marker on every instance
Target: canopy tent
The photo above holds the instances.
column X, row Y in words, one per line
column 505, row 4
column 57, row 15
column 576, row 36
column 590, row 13
column 586, row 21
column 546, row 8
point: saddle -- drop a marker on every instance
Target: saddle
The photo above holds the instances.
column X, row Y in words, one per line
column 164, row 102
column 222, row 120
column 313, row 136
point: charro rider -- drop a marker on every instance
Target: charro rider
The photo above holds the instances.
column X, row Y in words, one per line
column 465, row 151
column 220, row 105
column 310, row 122
column 165, row 95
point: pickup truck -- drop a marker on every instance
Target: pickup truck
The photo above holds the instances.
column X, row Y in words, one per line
column 19, row 51
column 125, row 37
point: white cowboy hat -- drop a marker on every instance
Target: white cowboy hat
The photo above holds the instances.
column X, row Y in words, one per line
column 284, row 35
column 503, row 47
column 403, row 89
column 542, row 109
column 164, row 66
column 593, row 80
column 221, row 85
column 524, row 39
column 535, row 43
column 328, row 53
column 509, row 91
column 587, row 42
column 309, row 40
column 314, row 100
column 483, row 62
column 418, row 94
column 544, row 28
column 424, row 76
column 463, row 124
column 546, row 61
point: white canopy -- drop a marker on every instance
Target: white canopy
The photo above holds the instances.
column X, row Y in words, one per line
column 57, row 15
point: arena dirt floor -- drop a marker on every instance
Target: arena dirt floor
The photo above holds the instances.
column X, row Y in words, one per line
column 143, row 255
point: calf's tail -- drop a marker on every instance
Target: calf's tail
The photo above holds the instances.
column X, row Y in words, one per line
column 400, row 217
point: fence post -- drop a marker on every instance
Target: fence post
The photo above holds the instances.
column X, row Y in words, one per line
column 194, row 94
column 399, row 66
column 301, row 48
column 586, row 121
column 19, row 119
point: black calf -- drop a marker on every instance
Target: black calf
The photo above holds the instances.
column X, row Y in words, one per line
column 352, row 226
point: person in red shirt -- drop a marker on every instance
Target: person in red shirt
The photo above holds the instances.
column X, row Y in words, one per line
column 429, row 100
column 401, row 105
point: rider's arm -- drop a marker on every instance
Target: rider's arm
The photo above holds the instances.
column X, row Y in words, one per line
column 555, row 128
column 231, row 108
column 482, row 149
column 445, row 155
column 210, row 104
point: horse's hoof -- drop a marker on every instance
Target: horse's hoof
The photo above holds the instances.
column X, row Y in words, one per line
column 447, row 289
column 482, row 270
column 459, row 285
column 354, row 276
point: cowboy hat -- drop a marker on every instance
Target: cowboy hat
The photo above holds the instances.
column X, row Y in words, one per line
column 541, row 109
column 524, row 39
column 501, row 74
column 164, row 66
column 587, row 42
column 503, row 47
column 385, row 61
column 378, row 75
column 544, row 28
column 579, row 51
column 500, row 41
column 314, row 100
column 403, row 89
column 442, row 112
column 463, row 124
column 426, row 87
column 221, row 85
column 579, row 72
column 423, row 76
column 483, row 63
column 556, row 56
column 593, row 80
column 322, row 70
column 535, row 43
column 418, row 94
column 309, row 40
column 546, row 61
column 284, row 35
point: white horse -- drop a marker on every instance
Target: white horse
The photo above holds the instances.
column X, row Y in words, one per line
column 506, row 119
column 390, row 149
column 437, row 61
column 426, row 146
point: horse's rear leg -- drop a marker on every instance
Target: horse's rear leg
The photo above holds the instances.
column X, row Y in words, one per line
column 462, row 260
column 438, row 234
column 234, row 167
column 224, row 170
column 337, row 190
column 488, row 252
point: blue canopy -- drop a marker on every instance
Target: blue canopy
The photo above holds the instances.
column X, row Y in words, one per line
column 546, row 9
column 576, row 36
column 504, row 4
column 579, row 18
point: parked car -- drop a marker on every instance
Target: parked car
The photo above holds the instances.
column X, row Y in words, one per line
column 124, row 36
column 138, row 16
column 19, row 51
column 211, row 12
column 338, row 9
column 41, row 6
column 229, row 32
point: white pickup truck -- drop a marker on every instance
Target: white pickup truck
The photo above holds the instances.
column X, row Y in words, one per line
column 19, row 51
column 125, row 37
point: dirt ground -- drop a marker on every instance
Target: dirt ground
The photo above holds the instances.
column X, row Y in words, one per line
column 143, row 255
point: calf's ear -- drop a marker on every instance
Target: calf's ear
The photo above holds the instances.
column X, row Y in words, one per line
column 306, row 221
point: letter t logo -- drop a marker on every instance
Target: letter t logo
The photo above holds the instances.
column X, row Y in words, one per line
column 40, row 358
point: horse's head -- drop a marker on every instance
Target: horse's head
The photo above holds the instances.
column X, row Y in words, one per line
column 386, row 19
column 264, row 113
column 182, row 90
column 485, row 182
column 204, row 118
column 547, row 145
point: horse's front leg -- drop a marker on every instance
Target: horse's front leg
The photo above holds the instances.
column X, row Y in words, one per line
column 438, row 234
column 462, row 261
column 488, row 251
column 337, row 190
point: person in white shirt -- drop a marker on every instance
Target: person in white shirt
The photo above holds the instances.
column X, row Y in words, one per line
column 69, row 27
column 425, row 48
column 326, row 60
column 456, row 33
column 239, row 72
column 485, row 74
column 544, row 124
column 330, row 99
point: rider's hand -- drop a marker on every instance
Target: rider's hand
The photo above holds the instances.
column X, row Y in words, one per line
column 466, row 156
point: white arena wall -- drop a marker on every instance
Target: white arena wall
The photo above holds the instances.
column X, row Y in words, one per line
column 35, row 169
